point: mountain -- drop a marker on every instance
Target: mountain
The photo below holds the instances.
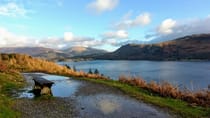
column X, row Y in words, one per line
column 26, row 50
column 82, row 51
column 42, row 52
column 188, row 47
column 52, row 54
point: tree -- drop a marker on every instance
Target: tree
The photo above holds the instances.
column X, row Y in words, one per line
column 67, row 66
column 96, row 71
column 74, row 68
column 90, row 71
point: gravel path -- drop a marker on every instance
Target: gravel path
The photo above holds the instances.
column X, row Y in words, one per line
column 90, row 100
column 53, row 108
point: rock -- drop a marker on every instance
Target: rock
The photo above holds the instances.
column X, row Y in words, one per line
column 46, row 91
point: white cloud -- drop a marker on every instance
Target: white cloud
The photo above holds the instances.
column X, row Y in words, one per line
column 68, row 40
column 166, row 27
column 12, row 9
column 90, row 43
column 140, row 20
column 100, row 6
column 170, row 29
column 112, row 42
column 68, row 36
column 120, row 34
column 9, row 39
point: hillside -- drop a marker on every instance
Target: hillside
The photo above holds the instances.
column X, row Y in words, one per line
column 52, row 54
column 188, row 47
column 82, row 51
column 26, row 50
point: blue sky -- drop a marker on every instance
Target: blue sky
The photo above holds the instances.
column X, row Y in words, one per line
column 105, row 24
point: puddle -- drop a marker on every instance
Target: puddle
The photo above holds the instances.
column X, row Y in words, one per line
column 26, row 91
column 99, row 101
column 110, row 105
column 62, row 87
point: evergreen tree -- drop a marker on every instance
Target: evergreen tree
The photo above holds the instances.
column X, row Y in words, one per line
column 96, row 71
column 67, row 66
column 74, row 68
column 90, row 71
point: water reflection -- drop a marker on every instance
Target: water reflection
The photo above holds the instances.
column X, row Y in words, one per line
column 113, row 105
column 108, row 106
column 26, row 92
column 62, row 87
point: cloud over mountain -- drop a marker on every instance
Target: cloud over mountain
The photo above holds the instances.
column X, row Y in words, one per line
column 8, row 38
column 119, row 34
column 166, row 27
column 171, row 29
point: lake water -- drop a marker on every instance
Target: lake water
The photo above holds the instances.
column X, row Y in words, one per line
column 192, row 75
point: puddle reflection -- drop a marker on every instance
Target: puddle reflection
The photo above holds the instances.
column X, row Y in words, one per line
column 108, row 106
column 62, row 87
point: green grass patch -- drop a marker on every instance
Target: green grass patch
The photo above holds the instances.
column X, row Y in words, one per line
column 178, row 107
column 9, row 82
column 6, row 110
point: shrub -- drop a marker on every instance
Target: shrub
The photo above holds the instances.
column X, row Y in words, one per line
column 3, row 67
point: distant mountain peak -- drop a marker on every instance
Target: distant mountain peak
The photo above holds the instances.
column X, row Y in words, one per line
column 78, row 48
column 81, row 51
column 53, row 54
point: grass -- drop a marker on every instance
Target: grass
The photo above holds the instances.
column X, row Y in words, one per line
column 6, row 110
column 165, row 89
column 176, row 106
column 8, row 82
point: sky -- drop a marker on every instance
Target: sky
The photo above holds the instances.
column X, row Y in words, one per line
column 104, row 24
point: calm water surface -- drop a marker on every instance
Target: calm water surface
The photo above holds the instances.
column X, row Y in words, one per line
column 62, row 87
column 193, row 75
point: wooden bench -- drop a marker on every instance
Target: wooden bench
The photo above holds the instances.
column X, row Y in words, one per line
column 43, row 86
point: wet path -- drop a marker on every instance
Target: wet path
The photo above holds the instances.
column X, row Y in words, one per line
column 87, row 100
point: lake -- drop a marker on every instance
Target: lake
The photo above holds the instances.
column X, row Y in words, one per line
column 191, row 75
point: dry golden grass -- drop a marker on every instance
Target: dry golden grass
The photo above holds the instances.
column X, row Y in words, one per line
column 25, row 63
column 166, row 89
